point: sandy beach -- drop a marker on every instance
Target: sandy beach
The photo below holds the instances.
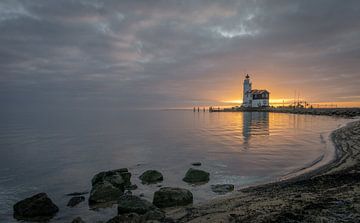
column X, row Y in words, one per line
column 328, row 194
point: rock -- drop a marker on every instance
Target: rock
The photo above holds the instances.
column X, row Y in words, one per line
column 104, row 192
column 131, row 203
column 108, row 186
column 112, row 175
column 131, row 187
column 141, row 195
column 77, row 193
column 170, row 197
column 126, row 218
column 37, row 207
column 75, row 200
column 78, row 220
column 196, row 164
column 151, row 176
column 222, row 188
column 155, row 214
column 196, row 176
column 128, row 192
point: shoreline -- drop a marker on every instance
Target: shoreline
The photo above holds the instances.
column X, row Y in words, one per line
column 330, row 193
column 334, row 112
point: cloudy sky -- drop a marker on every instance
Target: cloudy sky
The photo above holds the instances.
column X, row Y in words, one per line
column 145, row 54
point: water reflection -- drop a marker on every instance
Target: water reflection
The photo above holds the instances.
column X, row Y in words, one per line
column 60, row 154
column 254, row 123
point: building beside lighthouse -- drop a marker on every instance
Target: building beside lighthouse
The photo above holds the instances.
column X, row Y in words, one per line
column 254, row 98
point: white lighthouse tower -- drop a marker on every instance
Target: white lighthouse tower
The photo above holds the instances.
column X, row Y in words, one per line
column 247, row 96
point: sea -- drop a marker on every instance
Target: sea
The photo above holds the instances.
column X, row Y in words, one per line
column 59, row 151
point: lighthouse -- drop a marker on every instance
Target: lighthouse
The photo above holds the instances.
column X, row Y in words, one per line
column 254, row 98
column 247, row 92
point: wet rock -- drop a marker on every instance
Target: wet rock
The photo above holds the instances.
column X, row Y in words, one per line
column 196, row 176
column 38, row 207
column 104, row 192
column 196, row 164
column 154, row 215
column 151, row 176
column 78, row 220
column 77, row 193
column 126, row 218
column 131, row 203
column 222, row 188
column 131, row 187
column 120, row 177
column 108, row 186
column 75, row 201
column 170, row 197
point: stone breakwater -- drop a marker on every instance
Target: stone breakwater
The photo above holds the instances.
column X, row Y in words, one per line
column 331, row 194
column 341, row 112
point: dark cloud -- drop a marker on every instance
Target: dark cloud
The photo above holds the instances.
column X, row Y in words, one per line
column 175, row 53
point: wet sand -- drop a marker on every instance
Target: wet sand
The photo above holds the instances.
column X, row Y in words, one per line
column 328, row 194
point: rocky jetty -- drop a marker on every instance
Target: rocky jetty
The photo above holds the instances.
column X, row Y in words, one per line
column 108, row 186
column 222, row 188
column 196, row 176
column 341, row 112
column 36, row 208
column 170, row 197
column 151, row 177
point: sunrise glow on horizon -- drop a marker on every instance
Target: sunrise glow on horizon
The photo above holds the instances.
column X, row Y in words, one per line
column 134, row 55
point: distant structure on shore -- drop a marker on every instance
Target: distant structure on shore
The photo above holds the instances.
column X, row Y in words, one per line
column 254, row 98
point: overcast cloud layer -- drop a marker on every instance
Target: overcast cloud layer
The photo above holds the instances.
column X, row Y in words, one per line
column 176, row 53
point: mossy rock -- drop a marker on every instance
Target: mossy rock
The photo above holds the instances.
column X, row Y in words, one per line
column 108, row 186
column 196, row 176
column 104, row 192
column 151, row 176
column 171, row 197
column 36, row 208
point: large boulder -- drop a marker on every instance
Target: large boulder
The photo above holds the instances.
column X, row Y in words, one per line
column 222, row 188
column 36, row 208
column 196, row 176
column 132, row 203
column 151, row 176
column 171, row 196
column 113, row 176
column 108, row 186
column 104, row 192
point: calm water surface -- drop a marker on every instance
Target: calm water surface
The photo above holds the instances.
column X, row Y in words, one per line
column 59, row 152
